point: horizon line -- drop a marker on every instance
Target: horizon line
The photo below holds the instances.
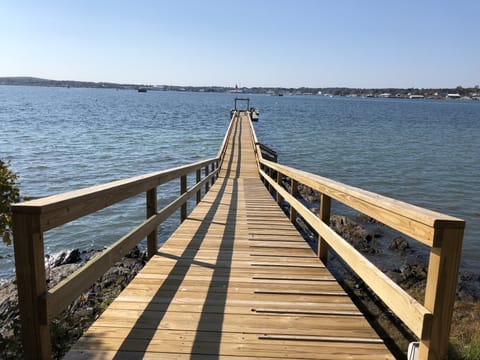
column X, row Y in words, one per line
column 236, row 85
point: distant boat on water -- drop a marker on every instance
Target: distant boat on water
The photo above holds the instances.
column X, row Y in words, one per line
column 142, row 89
column 254, row 114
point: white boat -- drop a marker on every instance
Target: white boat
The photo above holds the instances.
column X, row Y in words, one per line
column 254, row 114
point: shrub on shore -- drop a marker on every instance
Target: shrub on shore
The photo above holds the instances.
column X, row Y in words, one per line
column 9, row 193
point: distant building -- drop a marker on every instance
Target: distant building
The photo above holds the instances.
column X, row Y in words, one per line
column 385, row 95
column 453, row 96
column 237, row 90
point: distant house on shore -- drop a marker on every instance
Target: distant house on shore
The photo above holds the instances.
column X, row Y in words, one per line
column 453, row 96
column 386, row 95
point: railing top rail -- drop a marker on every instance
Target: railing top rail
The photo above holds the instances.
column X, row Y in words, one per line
column 223, row 147
column 44, row 204
column 266, row 148
column 59, row 209
column 338, row 190
column 414, row 221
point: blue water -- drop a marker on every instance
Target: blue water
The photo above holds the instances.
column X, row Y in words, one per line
column 58, row 139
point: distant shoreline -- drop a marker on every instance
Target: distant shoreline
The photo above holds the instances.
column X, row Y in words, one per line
column 467, row 93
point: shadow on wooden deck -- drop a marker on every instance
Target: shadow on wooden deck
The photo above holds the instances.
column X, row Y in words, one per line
column 210, row 326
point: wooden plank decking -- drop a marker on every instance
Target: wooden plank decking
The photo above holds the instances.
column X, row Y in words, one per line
column 234, row 281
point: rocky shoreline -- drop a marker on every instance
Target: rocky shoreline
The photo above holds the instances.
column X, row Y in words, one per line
column 67, row 328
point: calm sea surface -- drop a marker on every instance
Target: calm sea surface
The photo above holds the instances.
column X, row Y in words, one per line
column 59, row 139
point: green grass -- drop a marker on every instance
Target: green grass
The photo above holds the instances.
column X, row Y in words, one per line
column 465, row 332
column 471, row 351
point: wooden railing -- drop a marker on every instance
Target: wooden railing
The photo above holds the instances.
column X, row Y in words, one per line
column 268, row 153
column 39, row 305
column 431, row 321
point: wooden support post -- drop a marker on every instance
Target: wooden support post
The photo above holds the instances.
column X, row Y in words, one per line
column 270, row 172
column 212, row 181
column 325, row 206
column 207, row 187
column 198, row 179
column 214, row 167
column 152, row 238
column 440, row 291
column 294, row 192
column 32, row 285
column 183, row 190
column 279, row 182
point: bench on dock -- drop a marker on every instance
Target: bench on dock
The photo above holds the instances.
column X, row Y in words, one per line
column 236, row 280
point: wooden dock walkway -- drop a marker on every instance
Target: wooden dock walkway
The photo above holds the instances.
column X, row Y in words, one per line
column 235, row 281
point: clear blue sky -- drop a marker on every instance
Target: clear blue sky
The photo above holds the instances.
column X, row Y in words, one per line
column 353, row 43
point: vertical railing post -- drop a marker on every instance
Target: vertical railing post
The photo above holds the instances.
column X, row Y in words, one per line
column 325, row 206
column 294, row 192
column 183, row 190
column 212, row 181
column 440, row 290
column 207, row 187
column 31, row 284
column 198, row 179
column 270, row 172
column 279, row 182
column 152, row 238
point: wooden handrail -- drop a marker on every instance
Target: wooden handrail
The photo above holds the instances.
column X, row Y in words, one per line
column 223, row 147
column 270, row 155
column 59, row 209
column 38, row 305
column 431, row 321
column 60, row 296
column 412, row 313
column 414, row 221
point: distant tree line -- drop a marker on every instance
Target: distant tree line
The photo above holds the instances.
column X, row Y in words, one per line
column 336, row 91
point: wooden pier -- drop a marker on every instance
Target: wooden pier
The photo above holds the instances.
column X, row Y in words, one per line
column 236, row 280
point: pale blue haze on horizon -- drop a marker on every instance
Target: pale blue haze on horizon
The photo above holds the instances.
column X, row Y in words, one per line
column 371, row 43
